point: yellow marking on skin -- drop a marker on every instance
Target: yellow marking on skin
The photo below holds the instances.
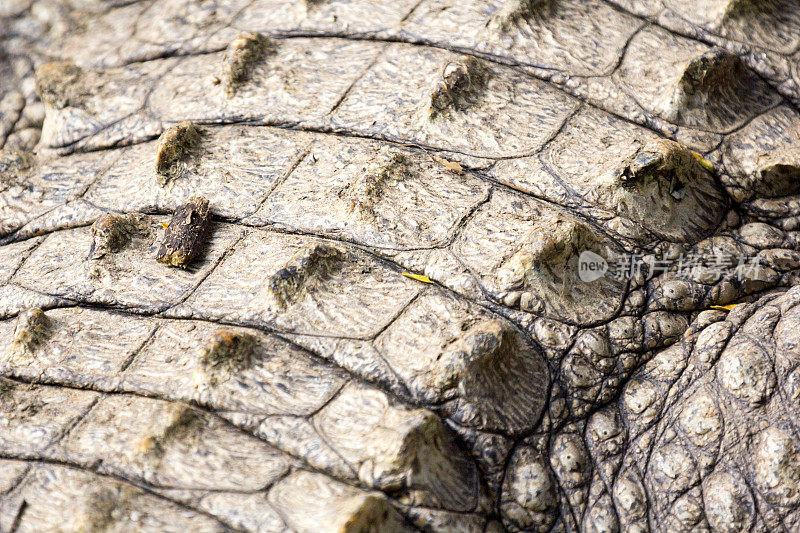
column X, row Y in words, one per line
column 724, row 307
column 450, row 166
column 418, row 277
column 705, row 163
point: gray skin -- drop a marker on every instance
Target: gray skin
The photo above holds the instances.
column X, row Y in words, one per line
column 291, row 375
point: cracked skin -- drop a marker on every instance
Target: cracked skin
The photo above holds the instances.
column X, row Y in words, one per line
column 309, row 266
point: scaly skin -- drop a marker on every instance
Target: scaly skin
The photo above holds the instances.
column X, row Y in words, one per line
column 384, row 327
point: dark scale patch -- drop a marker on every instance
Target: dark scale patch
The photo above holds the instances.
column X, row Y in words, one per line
column 366, row 192
column 459, row 86
column 710, row 69
column 715, row 88
column 498, row 379
column 289, row 283
column 226, row 353
column 61, row 84
column 779, row 179
column 186, row 234
column 13, row 163
column 102, row 508
column 512, row 12
column 552, row 245
column 32, row 326
column 174, row 147
column 17, row 401
column 668, row 163
column 110, row 233
column 174, row 425
column 243, row 53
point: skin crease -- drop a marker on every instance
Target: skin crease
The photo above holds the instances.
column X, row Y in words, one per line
column 317, row 266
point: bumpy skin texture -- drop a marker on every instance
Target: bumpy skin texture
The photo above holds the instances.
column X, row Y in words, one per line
column 290, row 376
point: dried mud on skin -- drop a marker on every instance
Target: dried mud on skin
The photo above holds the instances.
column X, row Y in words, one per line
column 275, row 265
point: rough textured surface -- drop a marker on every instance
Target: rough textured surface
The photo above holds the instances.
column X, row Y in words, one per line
column 186, row 233
column 380, row 211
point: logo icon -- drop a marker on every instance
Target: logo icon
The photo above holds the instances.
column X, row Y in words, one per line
column 591, row 266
